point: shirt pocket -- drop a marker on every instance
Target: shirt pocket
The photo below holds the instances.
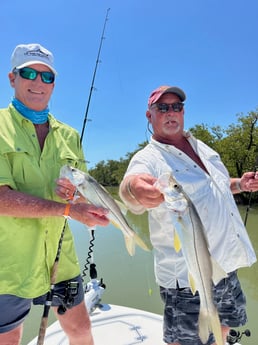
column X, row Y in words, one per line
column 70, row 158
column 23, row 169
column 58, row 155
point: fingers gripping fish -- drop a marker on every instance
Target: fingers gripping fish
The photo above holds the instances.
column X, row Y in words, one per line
column 99, row 196
column 192, row 240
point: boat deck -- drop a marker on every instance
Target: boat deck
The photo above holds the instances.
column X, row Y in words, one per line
column 115, row 325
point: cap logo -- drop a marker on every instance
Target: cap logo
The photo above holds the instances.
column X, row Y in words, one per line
column 37, row 52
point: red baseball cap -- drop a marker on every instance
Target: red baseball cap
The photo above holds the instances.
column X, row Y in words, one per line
column 157, row 93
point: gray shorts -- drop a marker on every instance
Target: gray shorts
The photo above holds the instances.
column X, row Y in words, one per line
column 14, row 309
column 182, row 310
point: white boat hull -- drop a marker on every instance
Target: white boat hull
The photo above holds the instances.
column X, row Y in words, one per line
column 115, row 325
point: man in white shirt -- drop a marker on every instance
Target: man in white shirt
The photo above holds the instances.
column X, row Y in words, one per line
column 205, row 180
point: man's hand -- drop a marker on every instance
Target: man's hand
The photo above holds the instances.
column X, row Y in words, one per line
column 65, row 189
column 89, row 214
column 249, row 181
column 140, row 189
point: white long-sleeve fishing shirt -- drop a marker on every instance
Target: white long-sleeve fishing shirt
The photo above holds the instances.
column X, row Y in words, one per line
column 210, row 192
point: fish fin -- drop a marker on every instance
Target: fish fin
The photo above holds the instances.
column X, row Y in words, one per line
column 130, row 245
column 216, row 329
column 217, row 272
column 192, row 283
column 177, row 243
column 140, row 242
column 209, row 323
column 131, row 240
column 115, row 223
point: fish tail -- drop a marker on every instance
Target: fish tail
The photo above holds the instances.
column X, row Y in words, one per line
column 209, row 323
column 130, row 242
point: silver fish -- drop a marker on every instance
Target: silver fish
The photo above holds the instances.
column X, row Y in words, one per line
column 202, row 268
column 97, row 195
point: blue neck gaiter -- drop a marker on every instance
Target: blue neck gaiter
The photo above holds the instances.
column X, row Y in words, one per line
column 36, row 117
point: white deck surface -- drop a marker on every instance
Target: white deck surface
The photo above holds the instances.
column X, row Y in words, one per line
column 115, row 325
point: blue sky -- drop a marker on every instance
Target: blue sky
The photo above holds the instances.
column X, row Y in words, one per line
column 209, row 48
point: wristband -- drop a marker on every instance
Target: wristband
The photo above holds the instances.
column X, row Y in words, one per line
column 67, row 210
column 238, row 185
column 129, row 191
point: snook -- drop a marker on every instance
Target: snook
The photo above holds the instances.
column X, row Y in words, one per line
column 192, row 240
column 99, row 196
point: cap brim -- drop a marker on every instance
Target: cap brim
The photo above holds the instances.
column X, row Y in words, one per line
column 28, row 63
column 180, row 93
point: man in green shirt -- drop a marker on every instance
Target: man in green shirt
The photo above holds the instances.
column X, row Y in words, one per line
column 33, row 148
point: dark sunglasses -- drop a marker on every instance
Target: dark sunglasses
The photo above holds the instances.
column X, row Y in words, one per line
column 31, row 74
column 164, row 107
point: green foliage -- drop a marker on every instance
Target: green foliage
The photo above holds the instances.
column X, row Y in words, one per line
column 242, row 144
column 111, row 172
column 202, row 132
column 237, row 144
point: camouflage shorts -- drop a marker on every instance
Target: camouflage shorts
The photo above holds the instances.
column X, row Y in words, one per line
column 182, row 310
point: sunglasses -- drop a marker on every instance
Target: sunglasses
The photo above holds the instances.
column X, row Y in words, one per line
column 31, row 74
column 164, row 107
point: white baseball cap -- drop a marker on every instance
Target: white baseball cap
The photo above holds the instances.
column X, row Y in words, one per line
column 28, row 54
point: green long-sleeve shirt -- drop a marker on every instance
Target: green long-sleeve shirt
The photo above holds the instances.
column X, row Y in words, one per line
column 28, row 246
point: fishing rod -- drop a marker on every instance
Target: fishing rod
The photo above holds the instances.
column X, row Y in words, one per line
column 49, row 298
column 89, row 260
column 255, row 166
column 94, row 75
column 250, row 196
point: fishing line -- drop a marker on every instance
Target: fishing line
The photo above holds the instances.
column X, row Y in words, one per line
column 89, row 259
column 147, row 272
